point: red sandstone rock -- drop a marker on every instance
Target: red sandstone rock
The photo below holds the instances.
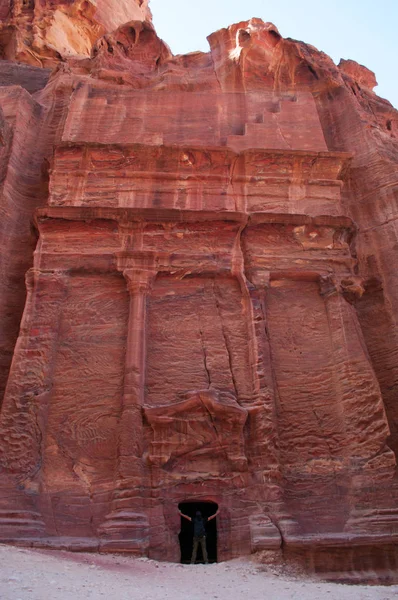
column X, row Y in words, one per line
column 360, row 74
column 42, row 33
column 210, row 311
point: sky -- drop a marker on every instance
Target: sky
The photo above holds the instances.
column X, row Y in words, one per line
column 363, row 30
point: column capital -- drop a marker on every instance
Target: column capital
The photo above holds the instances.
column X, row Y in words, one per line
column 351, row 287
column 32, row 276
column 139, row 280
column 259, row 279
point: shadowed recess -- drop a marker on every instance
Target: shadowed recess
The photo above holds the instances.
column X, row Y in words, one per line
column 186, row 534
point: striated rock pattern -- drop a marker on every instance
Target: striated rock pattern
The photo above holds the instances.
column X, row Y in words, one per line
column 198, row 297
column 43, row 32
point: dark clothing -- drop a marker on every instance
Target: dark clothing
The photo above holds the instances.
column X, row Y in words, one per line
column 196, row 541
column 199, row 526
column 199, row 537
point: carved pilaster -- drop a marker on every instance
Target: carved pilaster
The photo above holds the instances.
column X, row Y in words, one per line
column 138, row 284
column 351, row 288
column 263, row 413
column 26, row 401
column 357, row 388
column 126, row 524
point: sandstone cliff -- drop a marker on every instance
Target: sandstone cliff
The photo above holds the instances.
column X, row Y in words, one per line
column 209, row 243
column 41, row 33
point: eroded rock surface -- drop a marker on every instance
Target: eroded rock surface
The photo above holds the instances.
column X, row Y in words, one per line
column 43, row 32
column 199, row 294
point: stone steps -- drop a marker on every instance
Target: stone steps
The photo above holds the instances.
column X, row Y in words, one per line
column 20, row 523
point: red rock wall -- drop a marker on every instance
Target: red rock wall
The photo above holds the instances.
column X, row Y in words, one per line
column 80, row 449
column 23, row 188
column 208, row 119
column 210, row 305
column 370, row 201
column 44, row 33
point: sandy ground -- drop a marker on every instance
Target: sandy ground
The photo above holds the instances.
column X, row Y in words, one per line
column 44, row 575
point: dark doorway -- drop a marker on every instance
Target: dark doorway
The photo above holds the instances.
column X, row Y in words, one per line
column 186, row 535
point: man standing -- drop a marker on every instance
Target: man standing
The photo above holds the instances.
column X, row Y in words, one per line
column 199, row 534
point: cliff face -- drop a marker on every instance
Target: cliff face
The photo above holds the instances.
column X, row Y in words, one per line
column 43, row 32
column 210, row 308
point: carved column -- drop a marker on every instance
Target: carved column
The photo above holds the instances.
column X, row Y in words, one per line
column 364, row 420
column 264, row 453
column 131, row 449
column 126, row 526
column 266, row 446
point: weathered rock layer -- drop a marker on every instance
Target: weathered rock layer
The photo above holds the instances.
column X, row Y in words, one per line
column 198, row 300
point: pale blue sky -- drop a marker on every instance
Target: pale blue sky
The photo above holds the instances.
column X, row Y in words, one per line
column 363, row 30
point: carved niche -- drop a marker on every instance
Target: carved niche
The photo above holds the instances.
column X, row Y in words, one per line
column 201, row 429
